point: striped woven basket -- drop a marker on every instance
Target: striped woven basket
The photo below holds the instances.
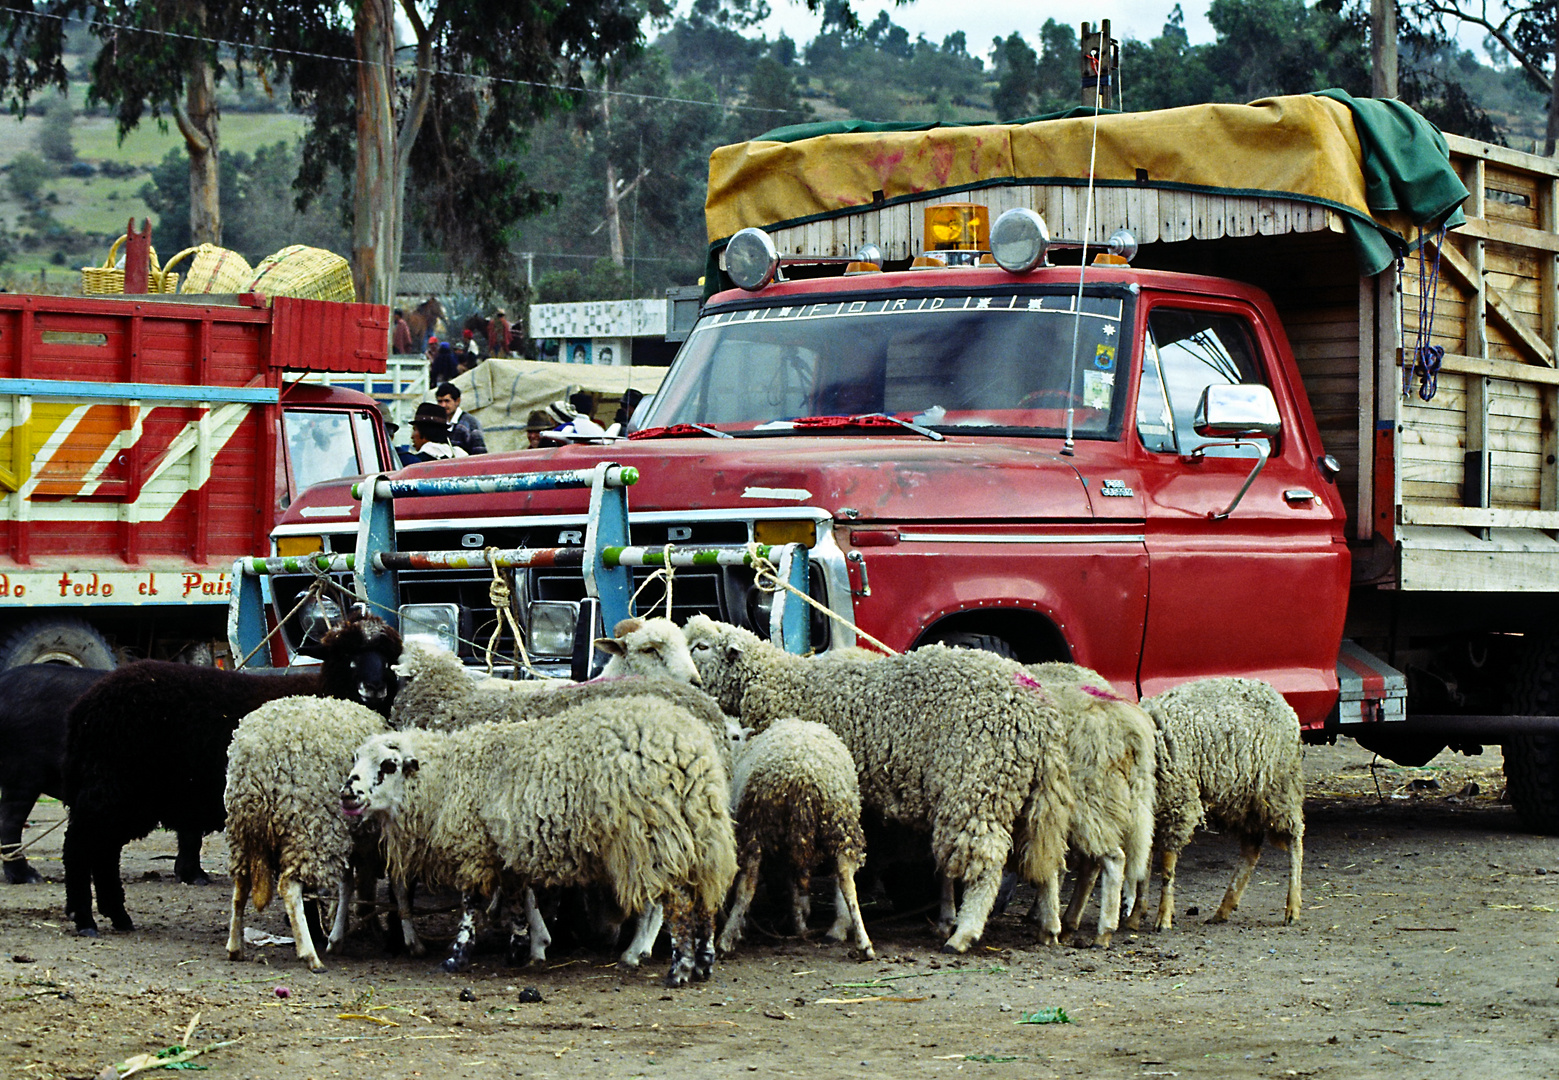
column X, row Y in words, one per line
column 109, row 278
column 307, row 272
column 213, row 270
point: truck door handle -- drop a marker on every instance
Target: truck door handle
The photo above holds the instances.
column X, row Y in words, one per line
column 1298, row 495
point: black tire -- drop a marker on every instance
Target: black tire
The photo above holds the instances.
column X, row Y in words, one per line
column 1532, row 761
column 57, row 641
column 984, row 642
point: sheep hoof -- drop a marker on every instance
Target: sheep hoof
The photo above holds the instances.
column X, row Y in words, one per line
column 868, row 953
column 954, row 950
column 122, row 923
column 454, row 964
column 1082, row 941
column 1103, row 940
column 87, row 931
column 316, row 967
column 198, row 878
column 27, row 877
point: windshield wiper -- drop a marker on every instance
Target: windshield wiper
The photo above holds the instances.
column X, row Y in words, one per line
column 867, row 420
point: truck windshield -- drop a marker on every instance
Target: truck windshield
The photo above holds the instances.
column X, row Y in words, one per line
column 972, row 363
column 328, row 445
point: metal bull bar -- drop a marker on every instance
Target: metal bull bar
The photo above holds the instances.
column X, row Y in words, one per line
column 606, row 559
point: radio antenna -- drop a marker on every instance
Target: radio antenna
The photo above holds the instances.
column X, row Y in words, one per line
column 1097, row 67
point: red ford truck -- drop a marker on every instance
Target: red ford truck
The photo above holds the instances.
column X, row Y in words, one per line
column 1289, row 428
column 146, row 442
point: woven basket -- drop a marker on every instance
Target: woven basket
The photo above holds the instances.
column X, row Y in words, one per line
column 108, row 278
column 213, row 270
column 307, row 272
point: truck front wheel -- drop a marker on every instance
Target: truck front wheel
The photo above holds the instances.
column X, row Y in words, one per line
column 1532, row 761
column 56, row 641
column 984, row 642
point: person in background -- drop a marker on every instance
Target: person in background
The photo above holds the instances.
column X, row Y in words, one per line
column 630, row 402
column 473, row 352
column 573, row 420
column 537, row 423
column 582, row 403
column 498, row 334
column 402, row 341
column 429, row 437
column 444, row 366
column 465, row 430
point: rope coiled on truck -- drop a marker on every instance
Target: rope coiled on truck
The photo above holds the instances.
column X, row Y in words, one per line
column 1427, row 358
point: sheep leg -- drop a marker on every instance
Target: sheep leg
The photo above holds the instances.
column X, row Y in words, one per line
column 402, row 892
column 679, row 926
column 540, row 936
column 14, row 809
column 291, row 893
column 643, row 943
column 186, row 865
column 1139, row 903
column 981, row 885
column 1166, row 896
column 78, row 879
column 746, row 886
column 110, row 888
column 235, row 924
column 1250, row 851
column 801, row 899
column 343, row 906
column 1110, row 898
column 947, row 913
column 1082, row 890
column 848, row 905
column 1046, row 912
column 459, row 957
column 1296, row 859
column 704, row 948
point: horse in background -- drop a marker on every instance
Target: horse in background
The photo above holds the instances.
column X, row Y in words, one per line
column 423, row 318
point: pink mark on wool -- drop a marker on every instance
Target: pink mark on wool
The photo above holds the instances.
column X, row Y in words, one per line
column 1026, row 680
column 1107, row 695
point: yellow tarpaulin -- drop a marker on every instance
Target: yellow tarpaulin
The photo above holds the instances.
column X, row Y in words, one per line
column 1304, row 146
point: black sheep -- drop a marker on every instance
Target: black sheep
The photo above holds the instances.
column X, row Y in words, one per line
column 147, row 746
column 34, row 700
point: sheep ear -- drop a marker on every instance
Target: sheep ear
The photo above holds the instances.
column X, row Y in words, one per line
column 627, row 626
column 733, row 650
column 611, row 646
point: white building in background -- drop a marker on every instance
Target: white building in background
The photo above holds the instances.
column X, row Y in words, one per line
column 599, row 331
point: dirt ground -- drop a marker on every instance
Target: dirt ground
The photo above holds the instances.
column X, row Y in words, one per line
column 1427, row 947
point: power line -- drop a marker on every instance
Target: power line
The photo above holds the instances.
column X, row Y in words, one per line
column 411, row 69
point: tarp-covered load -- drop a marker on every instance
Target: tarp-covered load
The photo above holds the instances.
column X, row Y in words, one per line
column 503, row 393
column 1380, row 165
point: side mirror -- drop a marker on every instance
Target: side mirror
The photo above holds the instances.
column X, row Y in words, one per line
column 1239, row 411
column 1242, row 411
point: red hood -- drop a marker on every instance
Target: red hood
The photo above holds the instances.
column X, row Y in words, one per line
column 890, row 479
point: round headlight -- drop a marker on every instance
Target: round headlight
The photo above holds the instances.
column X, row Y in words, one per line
column 1124, row 244
column 869, row 253
column 1018, row 240
column 751, row 259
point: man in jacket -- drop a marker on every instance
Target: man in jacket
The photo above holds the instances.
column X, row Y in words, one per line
column 465, row 430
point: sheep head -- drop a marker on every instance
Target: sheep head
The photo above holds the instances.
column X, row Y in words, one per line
column 377, row 782
column 648, row 647
column 359, row 658
column 724, row 655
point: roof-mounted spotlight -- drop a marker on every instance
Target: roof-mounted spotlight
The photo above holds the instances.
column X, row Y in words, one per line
column 1019, row 239
column 752, row 259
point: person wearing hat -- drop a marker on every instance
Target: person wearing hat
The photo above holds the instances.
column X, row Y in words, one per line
column 467, row 354
column 574, row 424
column 535, row 424
column 429, row 436
column 498, row 335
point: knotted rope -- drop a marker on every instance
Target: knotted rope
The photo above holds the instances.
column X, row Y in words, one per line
column 766, row 578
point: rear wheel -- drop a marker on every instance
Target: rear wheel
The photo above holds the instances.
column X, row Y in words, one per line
column 990, row 643
column 74, row 642
column 1532, row 761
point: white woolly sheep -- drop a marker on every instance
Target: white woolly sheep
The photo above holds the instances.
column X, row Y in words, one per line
column 956, row 741
column 628, row 793
column 1232, row 756
column 439, row 693
column 796, row 799
column 283, row 829
column 1110, row 747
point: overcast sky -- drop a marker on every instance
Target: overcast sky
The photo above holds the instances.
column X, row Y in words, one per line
column 982, row 20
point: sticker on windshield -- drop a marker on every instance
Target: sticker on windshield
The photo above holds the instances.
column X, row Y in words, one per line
column 1104, row 357
column 1108, row 309
column 1098, row 389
